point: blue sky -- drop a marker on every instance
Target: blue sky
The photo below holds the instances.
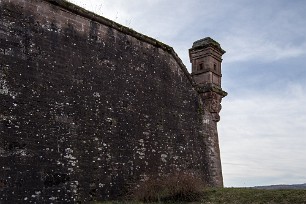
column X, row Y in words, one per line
column 262, row 130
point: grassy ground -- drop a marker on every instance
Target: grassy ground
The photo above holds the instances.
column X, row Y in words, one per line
column 236, row 195
column 243, row 196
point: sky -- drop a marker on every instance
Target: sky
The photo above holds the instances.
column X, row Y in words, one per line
column 262, row 131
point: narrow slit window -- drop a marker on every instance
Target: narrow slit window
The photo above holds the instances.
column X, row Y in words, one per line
column 215, row 67
column 201, row 66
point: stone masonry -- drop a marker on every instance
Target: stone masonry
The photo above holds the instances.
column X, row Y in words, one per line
column 90, row 108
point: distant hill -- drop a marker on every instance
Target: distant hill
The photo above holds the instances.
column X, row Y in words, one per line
column 275, row 187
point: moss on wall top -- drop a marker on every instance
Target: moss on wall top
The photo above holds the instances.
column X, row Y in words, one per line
column 207, row 42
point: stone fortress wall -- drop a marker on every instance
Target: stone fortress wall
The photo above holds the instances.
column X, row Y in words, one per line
column 89, row 107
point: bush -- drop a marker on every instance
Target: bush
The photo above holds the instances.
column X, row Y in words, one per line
column 172, row 187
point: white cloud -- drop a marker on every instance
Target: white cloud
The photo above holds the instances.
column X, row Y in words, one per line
column 262, row 138
column 250, row 47
column 266, row 31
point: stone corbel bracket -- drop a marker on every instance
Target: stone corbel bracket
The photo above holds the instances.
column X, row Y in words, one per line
column 212, row 96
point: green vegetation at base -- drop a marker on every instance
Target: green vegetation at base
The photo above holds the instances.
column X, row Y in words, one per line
column 240, row 196
column 244, row 195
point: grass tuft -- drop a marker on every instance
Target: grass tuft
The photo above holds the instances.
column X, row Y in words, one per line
column 177, row 187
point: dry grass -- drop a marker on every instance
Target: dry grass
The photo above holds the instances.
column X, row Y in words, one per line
column 170, row 188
